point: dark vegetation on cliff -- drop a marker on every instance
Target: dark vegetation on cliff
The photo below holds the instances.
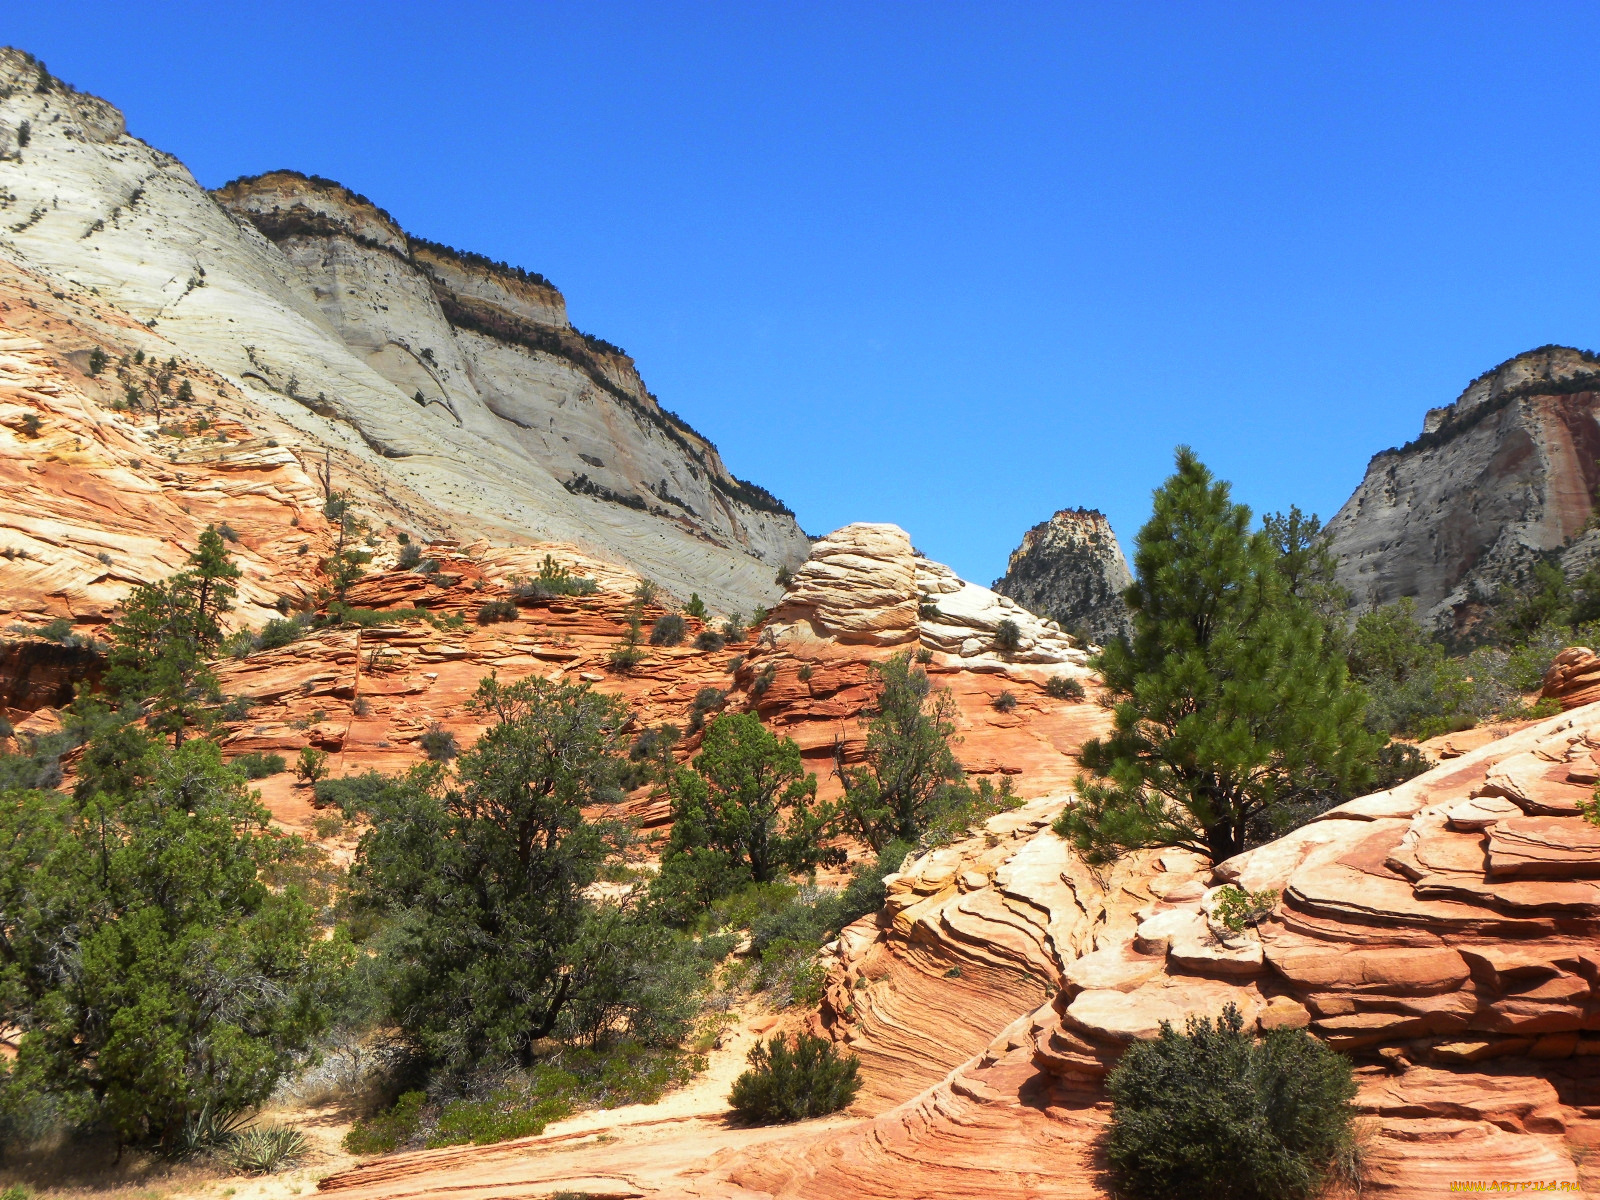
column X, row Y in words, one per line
column 594, row 356
column 1458, row 424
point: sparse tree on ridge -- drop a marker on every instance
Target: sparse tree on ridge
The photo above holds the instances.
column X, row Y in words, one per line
column 1232, row 704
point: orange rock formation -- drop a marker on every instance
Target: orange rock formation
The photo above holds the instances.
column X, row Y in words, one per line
column 1442, row 933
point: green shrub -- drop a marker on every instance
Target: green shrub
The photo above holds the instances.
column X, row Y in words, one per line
column 494, row 611
column 1397, row 762
column 1007, row 636
column 1063, row 687
column 280, row 632
column 211, row 1129
column 667, row 631
column 1235, row 908
column 410, row 556
column 312, row 764
column 624, row 658
column 763, row 681
column 236, row 708
column 707, row 700
column 366, row 618
column 438, row 743
column 1005, row 702
column 387, row 1131
column 790, row 972
column 506, row 1114
column 553, row 580
column 1545, row 706
column 353, row 794
column 708, row 640
column 784, row 1083
column 257, row 765
column 696, row 607
column 266, row 1149
column 58, row 630
column 1213, row 1114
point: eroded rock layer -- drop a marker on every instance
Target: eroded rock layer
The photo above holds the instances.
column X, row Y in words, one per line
column 1444, row 934
column 440, row 376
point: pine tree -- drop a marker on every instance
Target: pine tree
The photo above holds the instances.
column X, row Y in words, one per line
column 745, row 813
column 157, row 975
column 348, row 561
column 1233, row 707
column 911, row 776
column 165, row 634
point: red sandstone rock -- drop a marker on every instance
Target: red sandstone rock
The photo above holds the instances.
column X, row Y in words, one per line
column 1573, row 678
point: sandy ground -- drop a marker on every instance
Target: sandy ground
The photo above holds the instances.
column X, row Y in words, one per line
column 78, row 1173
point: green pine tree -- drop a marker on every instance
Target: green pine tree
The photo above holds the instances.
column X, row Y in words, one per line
column 745, row 813
column 1233, row 707
column 165, row 635
column 155, row 973
column 910, row 778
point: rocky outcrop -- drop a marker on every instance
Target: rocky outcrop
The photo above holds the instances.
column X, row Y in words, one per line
column 328, row 322
column 1496, row 481
column 1443, row 934
column 366, row 695
column 865, row 595
column 865, row 585
column 1573, row 678
column 1071, row 569
column 972, row 934
column 102, row 497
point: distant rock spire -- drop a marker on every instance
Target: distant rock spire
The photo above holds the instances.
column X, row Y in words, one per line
column 1071, row 569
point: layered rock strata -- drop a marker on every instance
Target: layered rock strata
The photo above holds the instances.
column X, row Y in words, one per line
column 865, row 585
column 367, row 694
column 1573, row 678
column 1446, row 934
column 1071, row 569
column 1500, row 479
column 863, row 596
column 436, row 375
column 1442, row 933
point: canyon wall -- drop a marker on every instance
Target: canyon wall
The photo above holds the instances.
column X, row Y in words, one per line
column 416, row 368
column 1496, row 481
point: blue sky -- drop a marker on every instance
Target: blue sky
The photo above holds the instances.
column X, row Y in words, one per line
column 949, row 265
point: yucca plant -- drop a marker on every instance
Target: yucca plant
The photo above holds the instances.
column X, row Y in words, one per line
column 208, row 1129
column 266, row 1149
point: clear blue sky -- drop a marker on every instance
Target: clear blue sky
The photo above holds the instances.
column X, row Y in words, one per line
column 950, row 265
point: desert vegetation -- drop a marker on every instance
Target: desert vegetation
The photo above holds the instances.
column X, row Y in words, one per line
column 1216, row 1112
column 1236, row 717
column 571, row 973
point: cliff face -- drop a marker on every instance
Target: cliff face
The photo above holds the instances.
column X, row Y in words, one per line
column 1496, row 480
column 328, row 318
column 1071, row 569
